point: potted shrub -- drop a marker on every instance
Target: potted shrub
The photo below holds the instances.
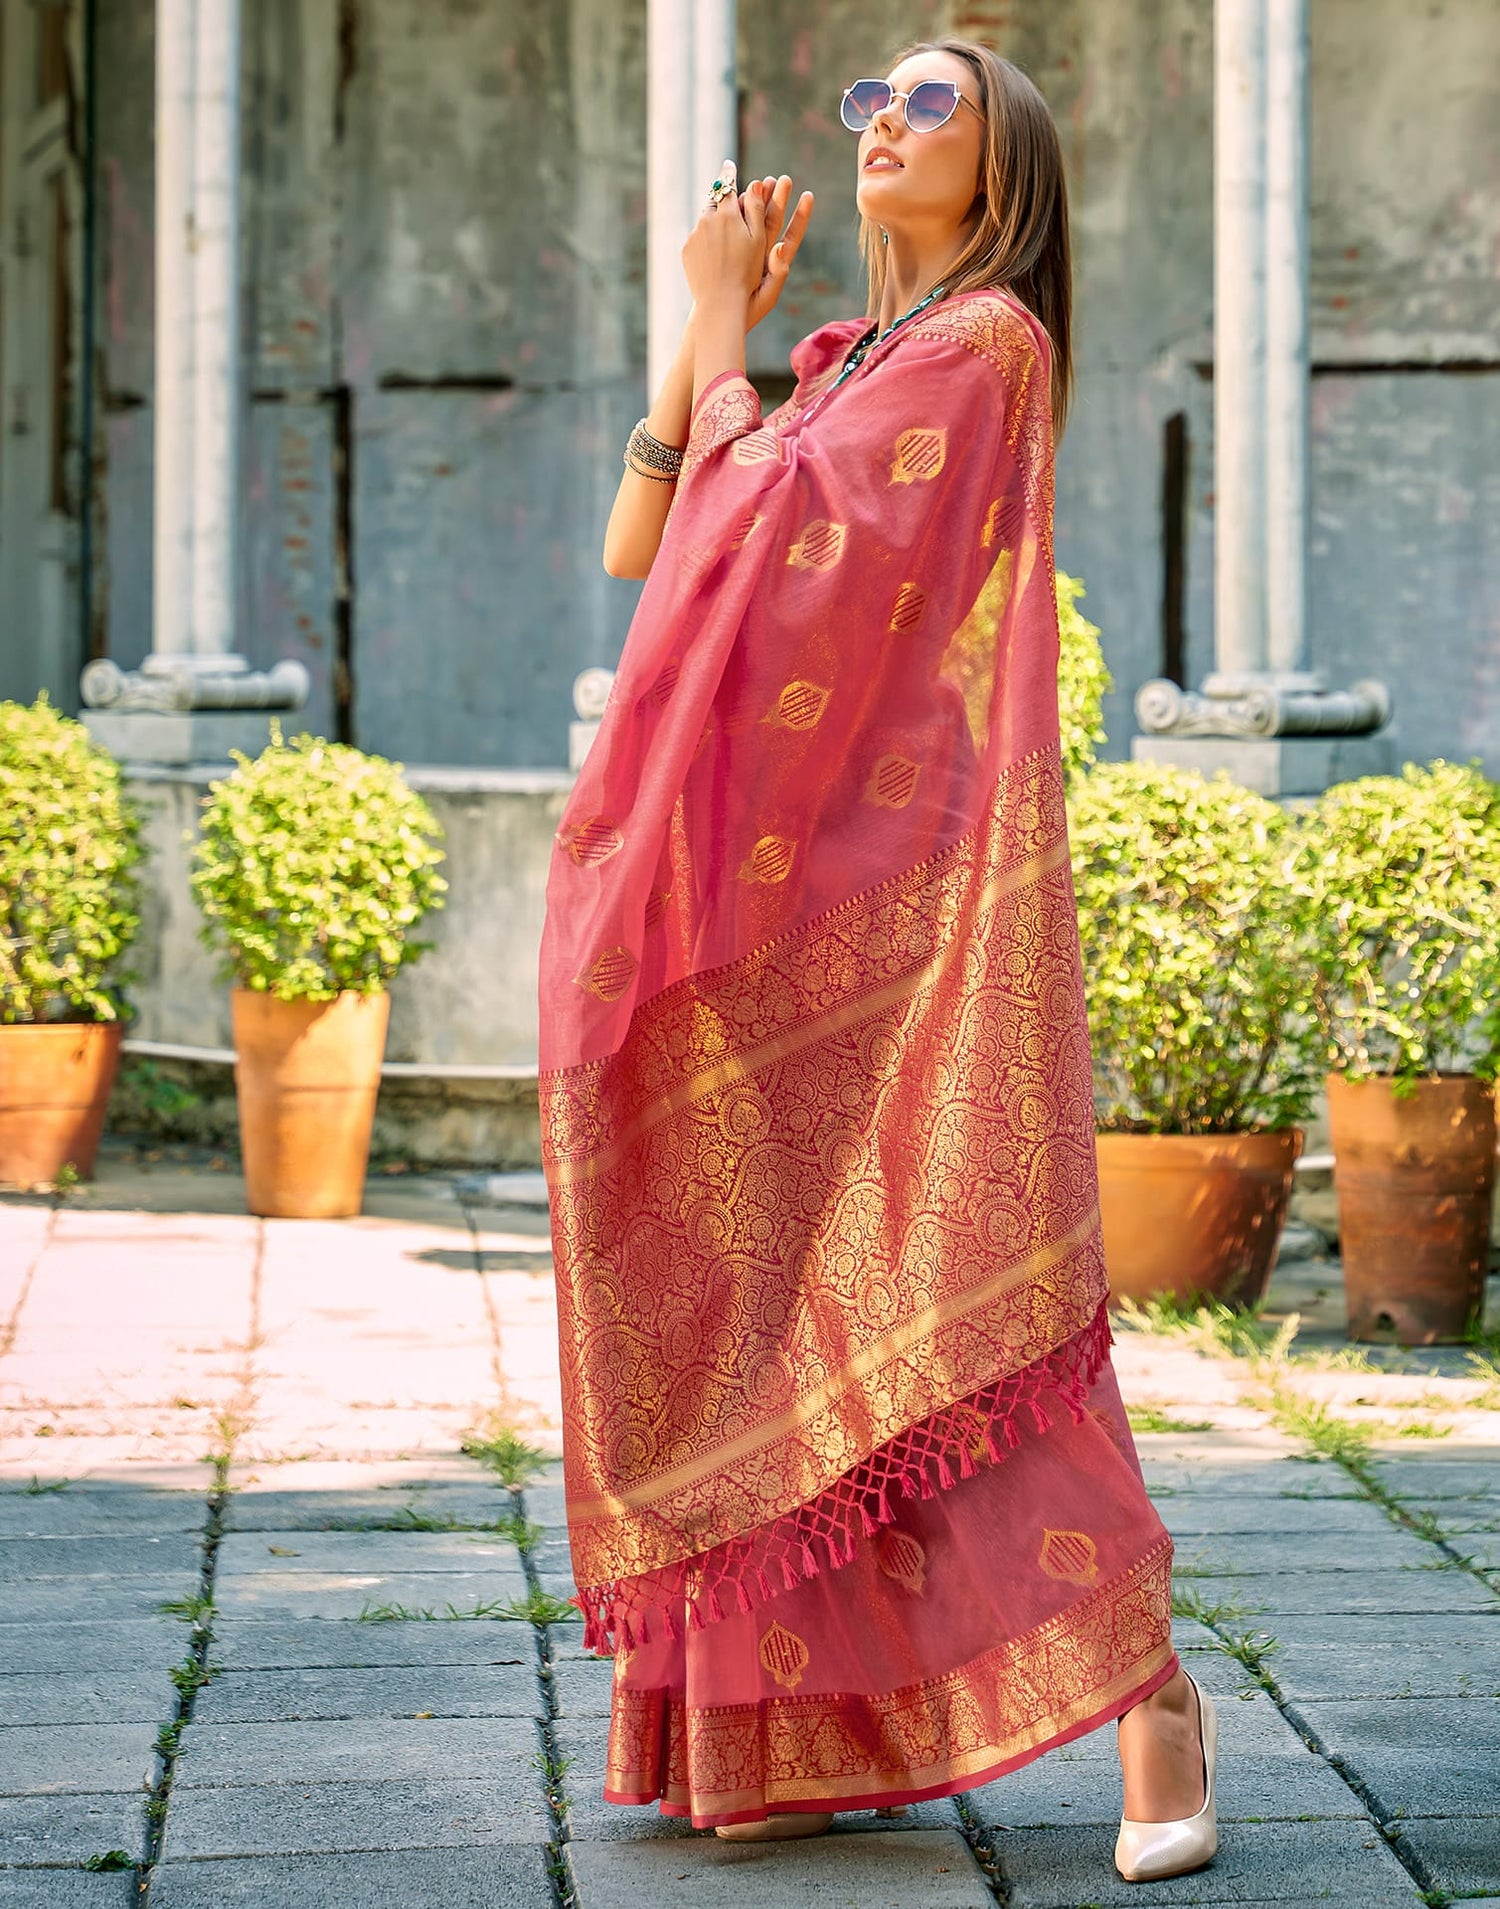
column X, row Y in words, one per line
column 314, row 865
column 1205, row 1054
column 1399, row 880
column 68, row 910
column 1083, row 681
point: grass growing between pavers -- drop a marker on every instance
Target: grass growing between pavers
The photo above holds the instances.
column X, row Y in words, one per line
column 1273, row 1364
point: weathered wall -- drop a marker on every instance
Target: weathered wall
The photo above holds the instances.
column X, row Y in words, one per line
column 445, row 250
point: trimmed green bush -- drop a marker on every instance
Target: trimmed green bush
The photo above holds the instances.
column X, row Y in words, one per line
column 1397, row 880
column 69, row 840
column 315, row 863
column 1082, row 679
column 1199, row 1014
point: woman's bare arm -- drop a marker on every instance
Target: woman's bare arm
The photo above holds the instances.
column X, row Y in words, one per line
column 633, row 534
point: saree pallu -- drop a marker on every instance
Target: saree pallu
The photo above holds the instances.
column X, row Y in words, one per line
column 851, row 1498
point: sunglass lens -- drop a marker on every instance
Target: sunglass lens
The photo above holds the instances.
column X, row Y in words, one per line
column 931, row 105
column 863, row 100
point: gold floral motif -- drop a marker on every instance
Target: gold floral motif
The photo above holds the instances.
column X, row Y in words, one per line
column 745, row 528
column 769, row 861
column 799, row 706
column 757, row 447
column 1006, row 1705
column 892, row 783
column 901, row 1557
column 819, row 547
column 919, row 454
column 906, row 612
column 610, row 975
column 656, row 906
column 594, row 841
column 1071, row 1556
column 783, row 1655
column 993, row 519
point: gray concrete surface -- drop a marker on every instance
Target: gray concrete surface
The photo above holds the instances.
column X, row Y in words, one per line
column 334, row 1759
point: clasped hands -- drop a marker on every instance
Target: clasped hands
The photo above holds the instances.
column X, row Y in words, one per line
column 733, row 257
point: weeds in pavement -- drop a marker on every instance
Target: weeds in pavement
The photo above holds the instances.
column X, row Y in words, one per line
column 196, row 1609
column 1186, row 1602
column 1151, row 1418
column 552, row 1769
column 109, row 1859
column 536, row 1607
column 38, row 1488
column 513, row 1461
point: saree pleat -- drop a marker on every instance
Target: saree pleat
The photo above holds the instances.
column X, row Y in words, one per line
column 818, row 1115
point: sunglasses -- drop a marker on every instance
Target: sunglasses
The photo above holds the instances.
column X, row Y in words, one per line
column 926, row 107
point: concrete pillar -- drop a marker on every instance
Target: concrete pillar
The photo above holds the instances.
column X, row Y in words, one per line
column 194, row 699
column 1262, row 713
column 692, row 127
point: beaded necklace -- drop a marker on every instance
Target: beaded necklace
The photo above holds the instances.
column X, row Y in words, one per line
column 865, row 345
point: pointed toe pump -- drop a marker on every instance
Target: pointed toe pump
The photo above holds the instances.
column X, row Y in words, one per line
column 1149, row 1852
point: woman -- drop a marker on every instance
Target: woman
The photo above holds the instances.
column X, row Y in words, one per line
column 851, row 1495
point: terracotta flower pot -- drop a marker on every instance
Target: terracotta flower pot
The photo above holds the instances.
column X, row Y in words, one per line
column 306, row 1076
column 1415, row 1178
column 1194, row 1216
column 55, row 1082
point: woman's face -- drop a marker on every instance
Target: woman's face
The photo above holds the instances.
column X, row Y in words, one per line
column 937, row 174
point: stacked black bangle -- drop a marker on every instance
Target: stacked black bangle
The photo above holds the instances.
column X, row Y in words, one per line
column 647, row 456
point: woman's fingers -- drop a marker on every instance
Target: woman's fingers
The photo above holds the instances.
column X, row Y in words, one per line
column 786, row 250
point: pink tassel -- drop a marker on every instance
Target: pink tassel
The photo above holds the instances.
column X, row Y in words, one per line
column 966, row 1465
column 625, row 1632
column 672, row 1631
column 883, row 1508
column 944, row 1472
column 788, row 1575
column 1012, row 1436
column 809, row 1562
column 763, row 1582
column 715, row 1609
column 990, row 1446
column 1039, row 1413
column 741, row 1595
column 927, row 1490
column 695, row 1621
column 867, row 1522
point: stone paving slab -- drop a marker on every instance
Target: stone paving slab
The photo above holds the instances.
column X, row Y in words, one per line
column 1440, row 1655
column 1254, row 1554
column 493, row 1878
column 1249, row 1475
column 1461, row 1853
column 1421, row 1756
column 243, row 1554
column 74, row 1757
column 1473, row 1478
column 1197, row 1516
column 152, row 1644
column 66, row 1600
column 322, row 1751
column 1318, row 1593
column 242, row 1644
column 477, row 1690
column 118, row 1556
column 66, row 1889
column 124, row 1696
column 70, row 1829
column 1344, row 1865
column 84, row 1511
column 329, row 1594
column 465, row 1502
column 426, row 1812
column 876, row 1870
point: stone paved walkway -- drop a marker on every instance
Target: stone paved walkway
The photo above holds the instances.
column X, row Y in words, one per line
column 269, row 1637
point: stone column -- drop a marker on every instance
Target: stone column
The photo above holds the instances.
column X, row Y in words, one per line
column 692, row 115
column 1263, row 713
column 194, row 698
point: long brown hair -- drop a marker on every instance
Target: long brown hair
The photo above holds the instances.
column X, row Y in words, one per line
column 1021, row 242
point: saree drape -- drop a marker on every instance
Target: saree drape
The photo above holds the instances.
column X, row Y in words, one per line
column 851, row 1497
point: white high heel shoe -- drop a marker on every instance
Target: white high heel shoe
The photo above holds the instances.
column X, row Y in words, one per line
column 1149, row 1852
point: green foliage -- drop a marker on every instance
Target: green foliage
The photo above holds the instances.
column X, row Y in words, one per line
column 1082, row 679
column 69, row 840
column 315, row 863
column 1198, row 1008
column 1398, row 885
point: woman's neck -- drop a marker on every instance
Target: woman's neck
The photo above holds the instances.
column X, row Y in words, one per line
column 914, row 263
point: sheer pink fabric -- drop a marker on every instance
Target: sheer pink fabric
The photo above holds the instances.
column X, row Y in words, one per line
column 817, row 1114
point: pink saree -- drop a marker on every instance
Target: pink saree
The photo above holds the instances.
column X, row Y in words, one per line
column 852, row 1500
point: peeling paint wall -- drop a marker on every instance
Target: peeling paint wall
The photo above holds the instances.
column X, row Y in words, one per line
column 445, row 254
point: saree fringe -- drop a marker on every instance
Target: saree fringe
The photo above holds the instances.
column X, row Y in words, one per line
column 821, row 1535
